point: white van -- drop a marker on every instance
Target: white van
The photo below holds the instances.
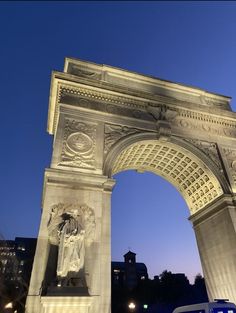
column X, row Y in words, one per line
column 218, row 306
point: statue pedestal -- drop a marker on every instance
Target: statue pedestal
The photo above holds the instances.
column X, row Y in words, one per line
column 69, row 304
column 67, row 291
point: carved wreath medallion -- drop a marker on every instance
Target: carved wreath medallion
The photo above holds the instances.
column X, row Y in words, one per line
column 78, row 144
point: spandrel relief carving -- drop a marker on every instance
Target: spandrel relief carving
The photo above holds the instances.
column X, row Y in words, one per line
column 78, row 145
column 115, row 132
column 208, row 148
column 72, row 228
column 231, row 160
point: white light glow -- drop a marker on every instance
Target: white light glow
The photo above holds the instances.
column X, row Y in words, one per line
column 131, row 306
column 9, row 305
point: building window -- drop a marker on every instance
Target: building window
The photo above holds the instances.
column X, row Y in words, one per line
column 21, row 247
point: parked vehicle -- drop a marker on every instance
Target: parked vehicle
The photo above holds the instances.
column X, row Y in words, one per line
column 218, row 306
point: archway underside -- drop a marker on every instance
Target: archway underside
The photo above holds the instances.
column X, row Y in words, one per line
column 195, row 181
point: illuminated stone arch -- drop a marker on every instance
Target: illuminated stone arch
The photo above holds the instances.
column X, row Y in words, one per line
column 105, row 120
column 187, row 168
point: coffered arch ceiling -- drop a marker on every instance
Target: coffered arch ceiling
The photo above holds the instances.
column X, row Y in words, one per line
column 188, row 172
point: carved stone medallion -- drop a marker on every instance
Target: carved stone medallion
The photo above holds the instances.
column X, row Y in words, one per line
column 78, row 145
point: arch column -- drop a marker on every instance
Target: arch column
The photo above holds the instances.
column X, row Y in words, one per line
column 215, row 230
column 65, row 189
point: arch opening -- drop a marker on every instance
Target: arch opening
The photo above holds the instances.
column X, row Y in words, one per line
column 187, row 172
column 153, row 217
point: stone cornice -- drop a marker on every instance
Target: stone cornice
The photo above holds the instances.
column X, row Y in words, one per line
column 120, row 77
column 76, row 180
column 137, row 103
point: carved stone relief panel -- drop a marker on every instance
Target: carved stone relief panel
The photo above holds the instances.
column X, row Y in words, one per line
column 209, row 149
column 72, row 228
column 193, row 179
column 231, row 162
column 78, row 144
column 115, row 132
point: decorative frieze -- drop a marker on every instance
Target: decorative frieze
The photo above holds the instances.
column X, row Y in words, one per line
column 217, row 127
column 78, row 144
column 139, row 108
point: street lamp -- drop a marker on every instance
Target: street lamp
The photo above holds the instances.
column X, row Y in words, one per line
column 131, row 306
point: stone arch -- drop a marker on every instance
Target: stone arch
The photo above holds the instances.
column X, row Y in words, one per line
column 105, row 120
column 194, row 176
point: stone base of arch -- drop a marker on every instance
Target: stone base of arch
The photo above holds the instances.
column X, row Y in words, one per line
column 67, row 304
column 66, row 189
column 215, row 230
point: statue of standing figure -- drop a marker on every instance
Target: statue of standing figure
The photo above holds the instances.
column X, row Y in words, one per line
column 71, row 250
column 74, row 225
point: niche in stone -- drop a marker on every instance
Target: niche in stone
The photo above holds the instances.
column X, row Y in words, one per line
column 71, row 229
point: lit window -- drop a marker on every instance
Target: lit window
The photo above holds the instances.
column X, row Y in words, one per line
column 21, row 247
column 116, row 271
column 142, row 277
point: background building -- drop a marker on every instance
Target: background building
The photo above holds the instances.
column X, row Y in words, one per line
column 128, row 273
column 16, row 261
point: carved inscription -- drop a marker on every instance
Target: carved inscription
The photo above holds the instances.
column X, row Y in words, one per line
column 78, row 145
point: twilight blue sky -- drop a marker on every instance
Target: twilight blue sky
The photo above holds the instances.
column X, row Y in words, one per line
column 193, row 43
